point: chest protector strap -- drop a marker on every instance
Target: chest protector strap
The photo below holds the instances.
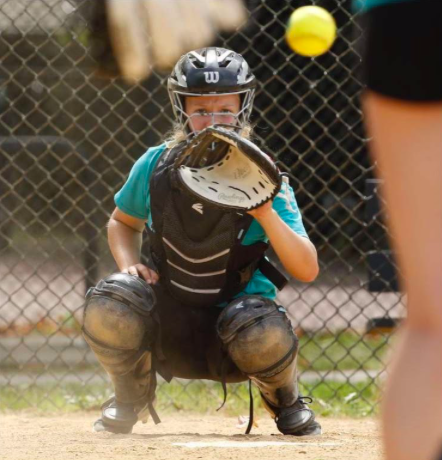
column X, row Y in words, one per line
column 197, row 249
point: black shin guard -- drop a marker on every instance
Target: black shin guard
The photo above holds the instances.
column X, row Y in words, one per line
column 120, row 329
column 260, row 340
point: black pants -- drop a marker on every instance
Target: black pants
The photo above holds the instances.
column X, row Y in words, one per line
column 190, row 342
column 402, row 50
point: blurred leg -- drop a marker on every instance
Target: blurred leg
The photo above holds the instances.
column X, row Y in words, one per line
column 408, row 148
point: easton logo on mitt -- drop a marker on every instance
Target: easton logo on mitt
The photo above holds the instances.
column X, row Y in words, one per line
column 223, row 169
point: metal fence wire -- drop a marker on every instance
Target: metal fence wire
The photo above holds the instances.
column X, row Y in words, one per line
column 68, row 141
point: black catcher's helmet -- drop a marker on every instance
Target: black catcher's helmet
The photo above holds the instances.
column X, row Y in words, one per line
column 211, row 72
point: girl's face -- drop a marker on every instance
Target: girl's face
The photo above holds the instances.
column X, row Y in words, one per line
column 205, row 111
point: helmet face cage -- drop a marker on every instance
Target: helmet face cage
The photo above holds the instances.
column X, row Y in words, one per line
column 211, row 72
column 185, row 120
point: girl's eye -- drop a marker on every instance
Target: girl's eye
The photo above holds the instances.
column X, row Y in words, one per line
column 227, row 111
column 202, row 112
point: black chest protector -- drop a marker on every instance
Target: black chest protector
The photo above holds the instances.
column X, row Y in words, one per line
column 197, row 248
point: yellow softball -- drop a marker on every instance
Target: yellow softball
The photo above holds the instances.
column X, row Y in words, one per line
column 311, row 31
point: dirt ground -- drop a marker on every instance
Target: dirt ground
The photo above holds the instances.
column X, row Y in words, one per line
column 69, row 436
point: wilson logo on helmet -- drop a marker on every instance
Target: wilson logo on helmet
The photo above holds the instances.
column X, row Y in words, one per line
column 212, row 77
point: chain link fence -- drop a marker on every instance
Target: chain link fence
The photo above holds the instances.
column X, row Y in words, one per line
column 67, row 143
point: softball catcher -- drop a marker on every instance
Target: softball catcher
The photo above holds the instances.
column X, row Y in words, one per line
column 211, row 202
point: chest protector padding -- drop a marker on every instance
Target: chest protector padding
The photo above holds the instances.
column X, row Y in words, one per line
column 197, row 250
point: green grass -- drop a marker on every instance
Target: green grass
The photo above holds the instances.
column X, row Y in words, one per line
column 317, row 352
column 330, row 398
column 342, row 351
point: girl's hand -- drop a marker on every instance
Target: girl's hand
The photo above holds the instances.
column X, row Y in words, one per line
column 144, row 272
column 262, row 212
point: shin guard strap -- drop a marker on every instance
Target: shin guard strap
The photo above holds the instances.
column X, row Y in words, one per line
column 278, row 366
column 251, row 415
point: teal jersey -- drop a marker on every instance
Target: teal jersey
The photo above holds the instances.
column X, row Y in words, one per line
column 134, row 199
column 365, row 5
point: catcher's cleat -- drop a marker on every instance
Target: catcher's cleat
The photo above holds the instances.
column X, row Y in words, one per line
column 296, row 420
column 314, row 429
column 99, row 427
column 116, row 418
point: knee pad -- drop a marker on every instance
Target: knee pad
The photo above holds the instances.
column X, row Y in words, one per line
column 119, row 313
column 258, row 336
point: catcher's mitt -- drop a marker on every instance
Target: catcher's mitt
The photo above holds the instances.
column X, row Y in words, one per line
column 223, row 169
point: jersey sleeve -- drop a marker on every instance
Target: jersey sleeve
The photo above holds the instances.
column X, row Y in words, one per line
column 134, row 197
column 287, row 208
